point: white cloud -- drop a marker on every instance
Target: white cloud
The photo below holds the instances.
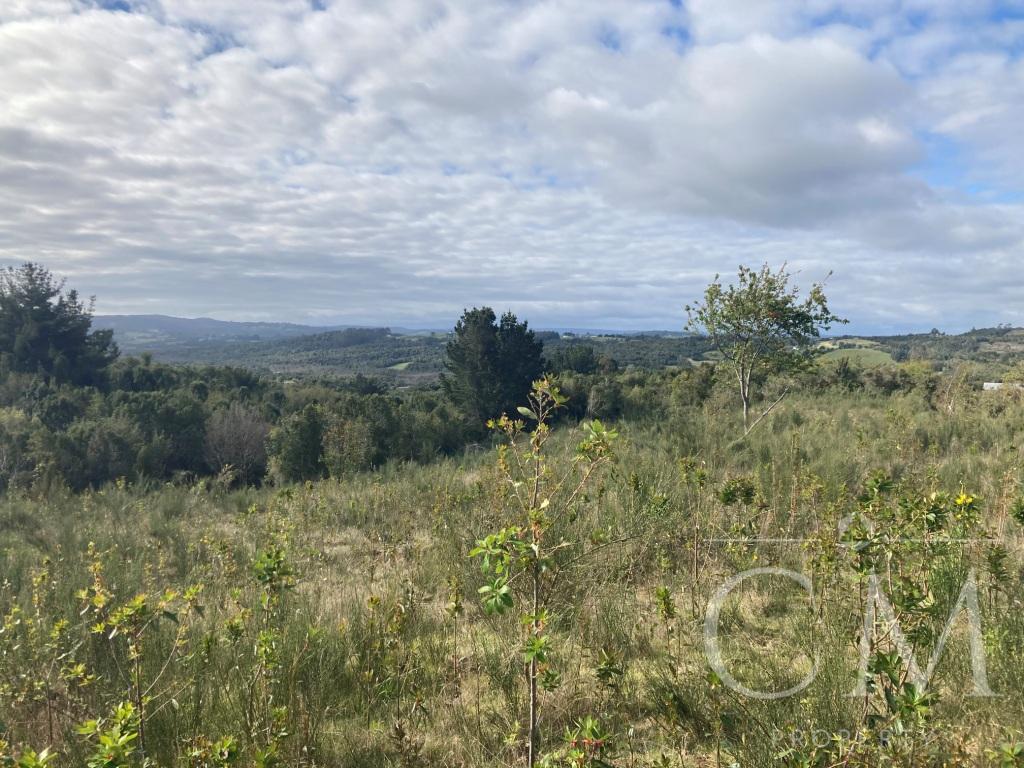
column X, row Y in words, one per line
column 396, row 160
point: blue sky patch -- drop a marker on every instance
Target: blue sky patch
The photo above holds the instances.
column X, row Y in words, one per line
column 678, row 34
column 122, row 6
column 610, row 38
column 944, row 165
column 217, row 40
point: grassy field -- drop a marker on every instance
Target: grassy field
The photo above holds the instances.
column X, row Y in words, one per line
column 339, row 623
column 863, row 357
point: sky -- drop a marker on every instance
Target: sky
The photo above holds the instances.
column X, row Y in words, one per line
column 584, row 163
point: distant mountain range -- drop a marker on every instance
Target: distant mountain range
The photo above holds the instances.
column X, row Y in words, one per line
column 403, row 354
column 151, row 332
column 163, row 333
column 407, row 355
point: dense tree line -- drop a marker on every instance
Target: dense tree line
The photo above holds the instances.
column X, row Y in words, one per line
column 156, row 421
column 72, row 413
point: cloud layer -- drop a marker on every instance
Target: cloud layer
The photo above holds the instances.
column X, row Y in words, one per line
column 586, row 164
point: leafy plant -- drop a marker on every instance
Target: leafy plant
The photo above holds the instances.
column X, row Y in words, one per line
column 521, row 559
column 115, row 739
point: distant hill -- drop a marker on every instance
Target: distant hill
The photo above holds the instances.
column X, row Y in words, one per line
column 284, row 348
column 160, row 333
column 407, row 355
column 401, row 354
column 1002, row 345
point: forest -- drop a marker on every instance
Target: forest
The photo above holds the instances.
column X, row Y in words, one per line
column 755, row 543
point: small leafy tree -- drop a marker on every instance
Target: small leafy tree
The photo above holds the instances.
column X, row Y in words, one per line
column 130, row 628
column 296, row 445
column 761, row 326
column 491, row 364
column 523, row 558
column 348, row 446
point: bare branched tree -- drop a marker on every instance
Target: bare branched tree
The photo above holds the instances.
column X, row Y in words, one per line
column 236, row 437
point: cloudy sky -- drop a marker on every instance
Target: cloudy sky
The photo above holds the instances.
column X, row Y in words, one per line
column 587, row 163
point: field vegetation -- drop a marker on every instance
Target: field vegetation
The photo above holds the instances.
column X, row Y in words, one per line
column 863, row 356
column 346, row 575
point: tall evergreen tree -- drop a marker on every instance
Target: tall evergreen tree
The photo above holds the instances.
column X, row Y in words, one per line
column 491, row 365
column 47, row 330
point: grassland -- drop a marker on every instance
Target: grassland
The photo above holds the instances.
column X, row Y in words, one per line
column 849, row 341
column 864, row 357
column 338, row 623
